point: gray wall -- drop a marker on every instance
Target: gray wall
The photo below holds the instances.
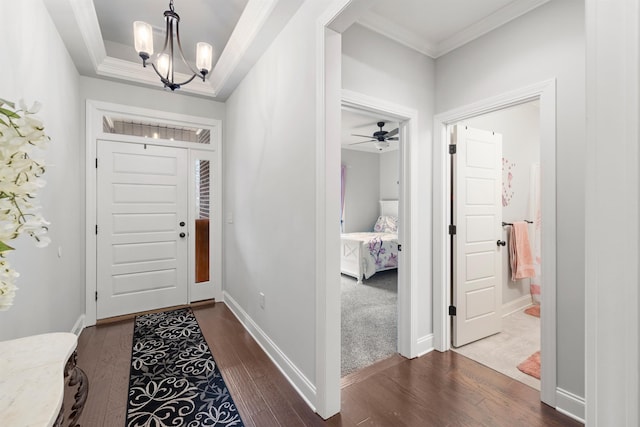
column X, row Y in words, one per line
column 548, row 42
column 147, row 97
column 269, row 187
column 36, row 67
column 362, row 190
column 389, row 175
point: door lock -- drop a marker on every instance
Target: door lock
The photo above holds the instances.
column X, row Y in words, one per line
column 501, row 243
column 181, row 223
column 182, row 235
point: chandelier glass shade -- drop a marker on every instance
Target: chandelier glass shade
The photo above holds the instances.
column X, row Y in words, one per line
column 164, row 61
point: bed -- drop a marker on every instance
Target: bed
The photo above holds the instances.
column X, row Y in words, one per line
column 365, row 253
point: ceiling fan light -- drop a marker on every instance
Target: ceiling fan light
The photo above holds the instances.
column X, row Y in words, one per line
column 143, row 38
column 204, row 57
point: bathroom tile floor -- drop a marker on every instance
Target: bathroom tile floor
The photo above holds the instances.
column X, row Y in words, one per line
column 519, row 339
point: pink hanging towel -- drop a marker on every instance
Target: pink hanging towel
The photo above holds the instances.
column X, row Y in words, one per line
column 520, row 252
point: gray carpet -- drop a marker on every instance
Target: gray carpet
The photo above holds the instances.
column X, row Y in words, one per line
column 369, row 320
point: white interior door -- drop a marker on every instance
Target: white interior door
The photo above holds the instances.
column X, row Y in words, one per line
column 477, row 214
column 141, row 231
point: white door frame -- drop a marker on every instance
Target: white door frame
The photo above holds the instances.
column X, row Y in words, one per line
column 546, row 92
column 95, row 111
column 329, row 98
column 407, row 289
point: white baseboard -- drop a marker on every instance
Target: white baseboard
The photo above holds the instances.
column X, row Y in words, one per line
column 303, row 386
column 515, row 305
column 79, row 325
column 425, row 345
column 570, row 404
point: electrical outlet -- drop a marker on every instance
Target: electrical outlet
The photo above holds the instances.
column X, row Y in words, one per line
column 261, row 300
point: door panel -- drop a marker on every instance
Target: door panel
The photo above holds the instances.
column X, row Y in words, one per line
column 477, row 276
column 205, row 247
column 142, row 198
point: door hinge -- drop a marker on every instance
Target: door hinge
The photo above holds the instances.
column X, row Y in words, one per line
column 452, row 230
column 96, row 163
column 452, row 148
column 96, row 228
column 399, row 248
column 452, row 310
column 96, row 295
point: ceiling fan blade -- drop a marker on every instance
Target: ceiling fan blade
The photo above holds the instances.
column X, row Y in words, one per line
column 392, row 139
column 363, row 136
column 392, row 133
column 362, row 142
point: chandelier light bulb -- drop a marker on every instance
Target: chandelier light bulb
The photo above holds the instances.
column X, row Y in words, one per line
column 164, row 65
column 204, row 56
column 143, row 38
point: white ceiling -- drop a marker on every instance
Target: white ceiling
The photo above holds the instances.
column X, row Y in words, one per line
column 98, row 33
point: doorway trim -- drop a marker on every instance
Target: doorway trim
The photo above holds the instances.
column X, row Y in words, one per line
column 407, row 288
column 95, row 110
column 545, row 92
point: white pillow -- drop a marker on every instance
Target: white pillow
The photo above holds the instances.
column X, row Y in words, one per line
column 386, row 224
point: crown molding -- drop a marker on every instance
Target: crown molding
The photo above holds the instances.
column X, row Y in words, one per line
column 497, row 19
column 135, row 72
column 396, row 32
column 251, row 21
column 400, row 34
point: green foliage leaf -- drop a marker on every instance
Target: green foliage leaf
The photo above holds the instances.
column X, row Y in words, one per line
column 9, row 103
column 4, row 247
column 9, row 113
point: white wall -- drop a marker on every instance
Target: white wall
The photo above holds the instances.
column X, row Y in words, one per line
column 36, row 67
column 405, row 77
column 152, row 98
column 269, row 186
column 613, row 198
column 362, row 190
column 545, row 43
column 520, row 130
column 389, row 175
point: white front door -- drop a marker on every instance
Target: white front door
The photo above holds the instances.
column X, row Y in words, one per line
column 477, row 214
column 141, row 232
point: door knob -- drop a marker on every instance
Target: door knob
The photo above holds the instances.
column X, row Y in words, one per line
column 501, row 243
column 181, row 223
column 182, row 234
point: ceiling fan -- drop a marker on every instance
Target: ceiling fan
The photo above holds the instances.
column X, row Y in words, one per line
column 381, row 137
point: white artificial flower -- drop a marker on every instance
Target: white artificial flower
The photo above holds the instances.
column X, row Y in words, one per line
column 20, row 178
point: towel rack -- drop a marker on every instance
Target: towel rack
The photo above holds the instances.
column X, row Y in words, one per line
column 504, row 224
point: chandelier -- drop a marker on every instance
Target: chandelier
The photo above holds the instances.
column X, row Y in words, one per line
column 163, row 66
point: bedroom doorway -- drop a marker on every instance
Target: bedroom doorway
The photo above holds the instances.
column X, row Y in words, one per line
column 508, row 338
column 370, row 265
column 394, row 161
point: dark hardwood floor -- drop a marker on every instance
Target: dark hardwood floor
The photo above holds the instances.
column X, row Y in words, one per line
column 438, row 389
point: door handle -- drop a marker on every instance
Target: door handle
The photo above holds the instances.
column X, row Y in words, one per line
column 182, row 235
column 501, row 243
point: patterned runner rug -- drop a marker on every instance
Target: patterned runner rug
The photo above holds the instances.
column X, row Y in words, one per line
column 174, row 380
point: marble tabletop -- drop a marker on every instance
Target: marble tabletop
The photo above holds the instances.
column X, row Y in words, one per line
column 32, row 378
